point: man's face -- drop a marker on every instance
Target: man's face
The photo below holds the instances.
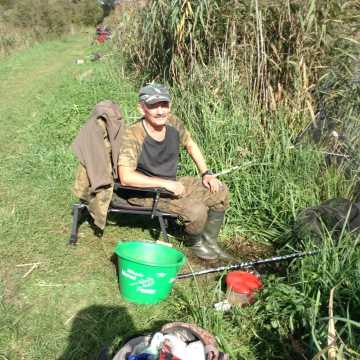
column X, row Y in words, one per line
column 156, row 114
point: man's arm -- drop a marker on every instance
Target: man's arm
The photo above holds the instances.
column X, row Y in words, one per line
column 194, row 151
column 131, row 177
column 209, row 181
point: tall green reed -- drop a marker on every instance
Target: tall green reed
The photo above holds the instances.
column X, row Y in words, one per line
column 279, row 48
column 274, row 179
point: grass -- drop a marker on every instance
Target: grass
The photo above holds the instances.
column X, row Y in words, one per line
column 69, row 307
column 46, row 100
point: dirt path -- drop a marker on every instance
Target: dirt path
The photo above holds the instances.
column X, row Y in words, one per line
column 25, row 77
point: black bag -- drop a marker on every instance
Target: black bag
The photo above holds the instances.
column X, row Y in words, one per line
column 331, row 216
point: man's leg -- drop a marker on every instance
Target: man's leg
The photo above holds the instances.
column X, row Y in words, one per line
column 217, row 204
column 211, row 233
column 194, row 217
column 190, row 209
column 192, row 213
column 193, row 209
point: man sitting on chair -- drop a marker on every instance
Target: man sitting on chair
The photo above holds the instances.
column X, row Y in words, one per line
column 148, row 158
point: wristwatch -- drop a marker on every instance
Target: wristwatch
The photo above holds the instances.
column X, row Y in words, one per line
column 207, row 172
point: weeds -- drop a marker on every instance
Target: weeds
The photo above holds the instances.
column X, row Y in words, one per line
column 238, row 53
column 290, row 317
column 246, row 77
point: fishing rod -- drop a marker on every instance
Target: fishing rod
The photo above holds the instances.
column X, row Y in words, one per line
column 247, row 264
column 238, row 167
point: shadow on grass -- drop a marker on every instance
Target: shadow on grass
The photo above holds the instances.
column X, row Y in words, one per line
column 145, row 223
column 131, row 221
column 273, row 346
column 94, row 330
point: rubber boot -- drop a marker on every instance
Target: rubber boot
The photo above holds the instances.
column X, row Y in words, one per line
column 211, row 233
column 199, row 247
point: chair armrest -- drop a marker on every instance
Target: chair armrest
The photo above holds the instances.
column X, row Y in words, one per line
column 160, row 190
column 156, row 193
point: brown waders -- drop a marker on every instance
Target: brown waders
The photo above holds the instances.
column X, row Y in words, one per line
column 202, row 213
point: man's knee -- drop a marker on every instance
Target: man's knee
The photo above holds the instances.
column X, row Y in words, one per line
column 221, row 198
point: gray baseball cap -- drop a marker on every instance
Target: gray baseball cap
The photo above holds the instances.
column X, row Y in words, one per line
column 153, row 93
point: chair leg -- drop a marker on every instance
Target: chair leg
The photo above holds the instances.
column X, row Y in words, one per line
column 77, row 216
column 163, row 226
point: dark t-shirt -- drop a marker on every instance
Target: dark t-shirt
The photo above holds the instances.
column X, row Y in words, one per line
column 138, row 150
column 160, row 158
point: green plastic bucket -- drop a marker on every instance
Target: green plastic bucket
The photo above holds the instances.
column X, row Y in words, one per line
column 147, row 270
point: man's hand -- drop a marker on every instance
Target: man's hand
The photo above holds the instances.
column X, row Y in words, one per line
column 212, row 183
column 176, row 187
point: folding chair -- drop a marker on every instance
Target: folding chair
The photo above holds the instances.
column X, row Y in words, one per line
column 80, row 210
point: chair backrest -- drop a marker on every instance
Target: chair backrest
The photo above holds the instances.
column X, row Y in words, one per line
column 91, row 148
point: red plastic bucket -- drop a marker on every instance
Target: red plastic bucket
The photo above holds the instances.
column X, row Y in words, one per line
column 242, row 287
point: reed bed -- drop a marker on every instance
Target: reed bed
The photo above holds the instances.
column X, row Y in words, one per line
column 278, row 48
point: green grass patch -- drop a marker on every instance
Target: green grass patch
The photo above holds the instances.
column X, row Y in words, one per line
column 69, row 306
